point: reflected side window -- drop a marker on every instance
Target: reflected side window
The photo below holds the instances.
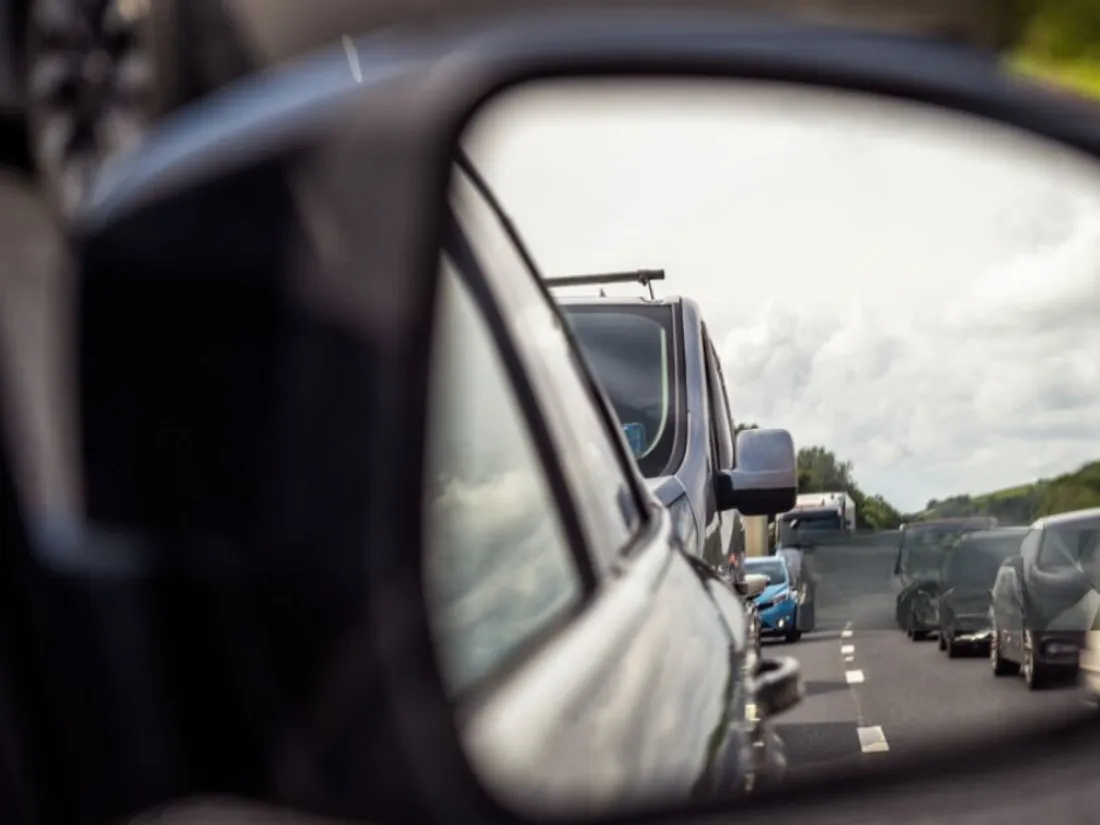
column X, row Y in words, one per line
column 499, row 569
column 1029, row 547
column 1055, row 553
column 581, row 423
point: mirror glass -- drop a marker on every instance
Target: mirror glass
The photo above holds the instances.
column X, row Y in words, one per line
column 912, row 293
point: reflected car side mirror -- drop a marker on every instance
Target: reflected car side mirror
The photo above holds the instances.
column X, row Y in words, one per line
column 765, row 480
column 779, row 686
column 755, row 584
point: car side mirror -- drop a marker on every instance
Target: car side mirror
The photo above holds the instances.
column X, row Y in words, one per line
column 778, row 687
column 755, row 584
column 765, row 480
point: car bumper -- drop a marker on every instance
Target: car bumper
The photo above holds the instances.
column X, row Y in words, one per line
column 1061, row 650
column 971, row 629
column 778, row 620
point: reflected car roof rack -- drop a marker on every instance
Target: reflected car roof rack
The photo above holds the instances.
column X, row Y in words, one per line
column 645, row 277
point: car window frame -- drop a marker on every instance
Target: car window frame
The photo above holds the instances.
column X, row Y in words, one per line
column 675, row 378
column 534, row 420
column 642, row 503
column 721, row 420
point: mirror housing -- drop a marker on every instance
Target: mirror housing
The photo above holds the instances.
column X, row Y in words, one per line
column 765, row 480
column 778, row 686
column 754, row 584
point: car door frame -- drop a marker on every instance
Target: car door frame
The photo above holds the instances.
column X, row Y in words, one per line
column 548, row 675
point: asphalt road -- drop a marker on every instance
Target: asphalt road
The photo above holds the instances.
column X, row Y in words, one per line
column 871, row 693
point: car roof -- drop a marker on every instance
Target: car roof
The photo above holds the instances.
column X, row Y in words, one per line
column 616, row 300
column 1072, row 517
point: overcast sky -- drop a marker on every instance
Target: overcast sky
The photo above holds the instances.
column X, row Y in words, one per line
column 919, row 294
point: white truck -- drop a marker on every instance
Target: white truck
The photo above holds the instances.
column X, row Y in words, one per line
column 823, row 511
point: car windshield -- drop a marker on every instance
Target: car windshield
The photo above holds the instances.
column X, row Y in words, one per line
column 975, row 561
column 816, row 522
column 774, row 569
column 631, row 351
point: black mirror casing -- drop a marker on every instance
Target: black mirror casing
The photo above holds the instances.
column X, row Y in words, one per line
column 751, row 502
column 337, row 266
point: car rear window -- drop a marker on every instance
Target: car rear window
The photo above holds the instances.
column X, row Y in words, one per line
column 975, row 561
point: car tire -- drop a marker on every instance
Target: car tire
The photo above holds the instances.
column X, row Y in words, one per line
column 97, row 80
column 89, row 92
column 1035, row 675
column 999, row 665
column 793, row 636
column 911, row 631
column 953, row 650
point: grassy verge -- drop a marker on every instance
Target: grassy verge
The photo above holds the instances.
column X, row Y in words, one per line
column 1082, row 76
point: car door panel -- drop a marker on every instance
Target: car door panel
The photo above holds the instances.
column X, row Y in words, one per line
column 630, row 700
column 633, row 701
column 1014, row 615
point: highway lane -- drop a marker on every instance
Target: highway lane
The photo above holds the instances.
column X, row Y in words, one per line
column 872, row 693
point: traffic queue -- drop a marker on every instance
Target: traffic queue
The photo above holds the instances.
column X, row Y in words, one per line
column 1026, row 596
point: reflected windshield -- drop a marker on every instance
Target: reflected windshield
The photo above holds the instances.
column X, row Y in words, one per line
column 630, row 350
column 830, row 522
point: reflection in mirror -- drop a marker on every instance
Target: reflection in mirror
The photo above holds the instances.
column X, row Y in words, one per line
column 911, row 293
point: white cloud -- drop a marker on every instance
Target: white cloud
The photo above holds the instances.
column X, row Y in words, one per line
column 921, row 296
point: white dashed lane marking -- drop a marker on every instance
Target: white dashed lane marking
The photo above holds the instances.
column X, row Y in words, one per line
column 854, row 677
column 847, row 650
column 872, row 739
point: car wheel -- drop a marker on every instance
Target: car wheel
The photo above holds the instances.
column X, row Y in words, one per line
column 912, row 632
column 793, row 636
column 90, row 90
column 1000, row 666
column 1034, row 673
column 953, row 650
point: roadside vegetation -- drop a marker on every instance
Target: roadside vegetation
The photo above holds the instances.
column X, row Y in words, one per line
column 1061, row 44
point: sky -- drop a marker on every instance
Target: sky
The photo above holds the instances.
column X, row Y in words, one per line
column 917, row 291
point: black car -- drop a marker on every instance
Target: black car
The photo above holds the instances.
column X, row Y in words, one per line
column 659, row 367
column 921, row 549
column 967, row 576
column 1045, row 601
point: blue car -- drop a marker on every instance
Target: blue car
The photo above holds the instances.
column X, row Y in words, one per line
column 777, row 604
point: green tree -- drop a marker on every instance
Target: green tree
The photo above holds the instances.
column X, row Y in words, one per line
column 819, row 470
